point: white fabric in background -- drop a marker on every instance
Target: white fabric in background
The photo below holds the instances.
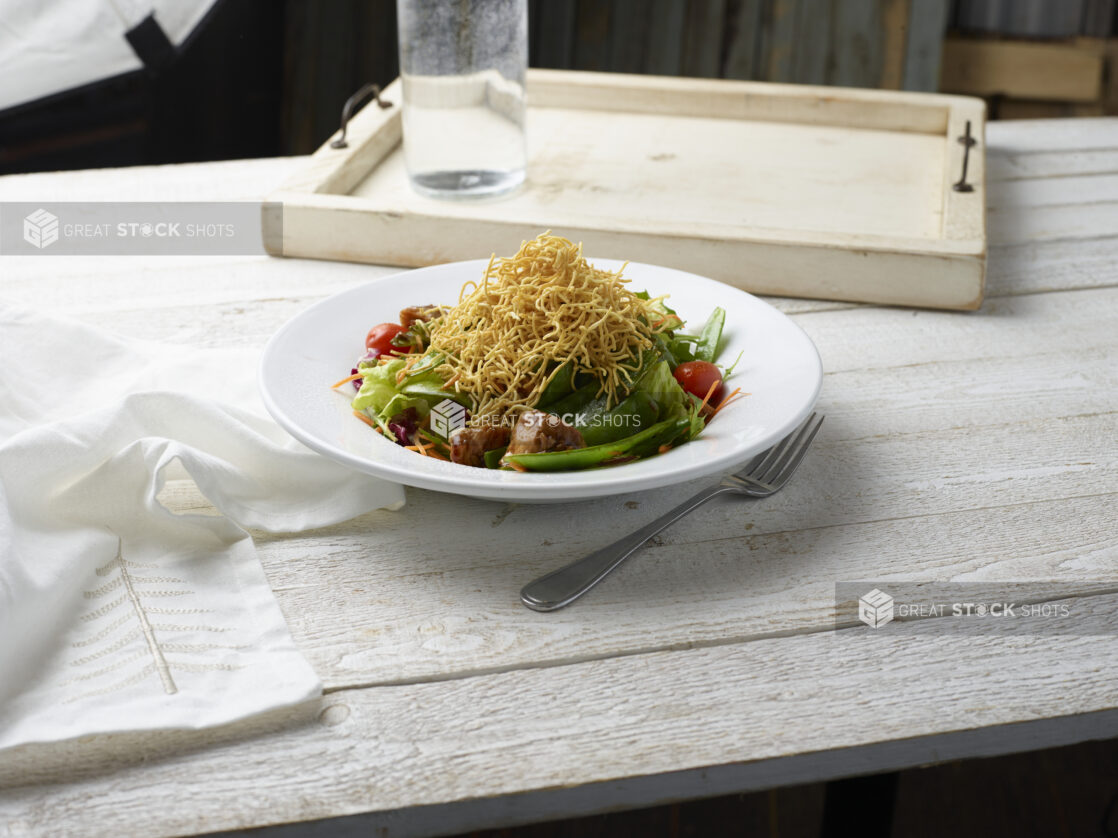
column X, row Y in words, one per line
column 47, row 46
column 115, row 613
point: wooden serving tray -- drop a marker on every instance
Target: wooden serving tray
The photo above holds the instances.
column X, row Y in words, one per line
column 791, row 190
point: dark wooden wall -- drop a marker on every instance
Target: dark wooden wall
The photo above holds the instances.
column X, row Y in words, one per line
column 858, row 43
column 266, row 77
column 333, row 48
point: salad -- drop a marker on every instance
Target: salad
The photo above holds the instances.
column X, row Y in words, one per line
column 545, row 364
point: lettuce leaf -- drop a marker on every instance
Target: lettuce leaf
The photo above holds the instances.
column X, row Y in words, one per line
column 379, row 387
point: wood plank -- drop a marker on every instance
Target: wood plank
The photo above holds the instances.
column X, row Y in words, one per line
column 742, row 51
column 782, row 44
column 801, row 104
column 711, row 709
column 924, row 47
column 702, row 38
column 1023, row 195
column 1098, row 18
column 1047, row 266
column 1079, row 380
column 664, row 56
column 887, row 339
column 979, row 15
column 896, row 464
column 1025, row 70
column 592, row 25
column 557, row 31
column 1076, row 221
column 943, row 274
column 902, row 436
column 857, row 44
column 1002, row 166
column 1042, row 20
column 894, row 29
column 468, row 619
column 224, row 180
column 1110, row 72
column 813, row 51
column 1053, row 136
column 629, row 35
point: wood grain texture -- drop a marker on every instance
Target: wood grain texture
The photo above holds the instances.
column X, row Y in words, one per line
column 629, row 35
column 894, row 31
column 965, row 447
column 858, row 54
column 665, row 36
column 865, row 188
column 555, row 20
column 927, row 24
column 722, row 709
column 743, row 43
column 814, row 52
column 702, row 37
column 1024, row 70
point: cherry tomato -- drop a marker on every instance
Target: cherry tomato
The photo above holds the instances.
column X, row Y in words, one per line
column 379, row 339
column 696, row 377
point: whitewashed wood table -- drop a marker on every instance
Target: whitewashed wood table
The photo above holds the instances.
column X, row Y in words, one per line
column 957, row 447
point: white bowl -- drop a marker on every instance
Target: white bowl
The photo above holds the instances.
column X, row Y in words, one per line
column 779, row 369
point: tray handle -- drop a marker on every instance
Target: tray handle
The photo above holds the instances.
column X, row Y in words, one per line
column 968, row 142
column 370, row 89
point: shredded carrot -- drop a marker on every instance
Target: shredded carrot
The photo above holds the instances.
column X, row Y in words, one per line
column 348, row 378
column 452, row 380
column 713, row 386
column 663, row 449
column 435, row 441
column 408, row 364
column 366, row 420
column 427, row 452
column 664, row 320
column 734, row 396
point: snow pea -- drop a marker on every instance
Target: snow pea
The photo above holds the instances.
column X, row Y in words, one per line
column 637, row 412
column 560, row 386
column 638, row 445
column 433, row 391
column 707, row 347
column 493, row 456
column 575, row 403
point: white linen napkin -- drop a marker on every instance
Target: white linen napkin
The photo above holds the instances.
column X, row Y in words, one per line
column 117, row 614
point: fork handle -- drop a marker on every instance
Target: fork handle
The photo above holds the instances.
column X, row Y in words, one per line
column 563, row 586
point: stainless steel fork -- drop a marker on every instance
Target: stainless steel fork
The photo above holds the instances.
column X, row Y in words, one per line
column 765, row 475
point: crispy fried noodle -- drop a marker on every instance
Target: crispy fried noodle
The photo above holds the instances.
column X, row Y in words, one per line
column 507, row 337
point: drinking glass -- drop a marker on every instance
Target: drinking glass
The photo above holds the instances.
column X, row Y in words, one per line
column 463, row 63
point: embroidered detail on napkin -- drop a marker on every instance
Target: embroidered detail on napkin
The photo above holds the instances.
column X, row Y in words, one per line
column 117, row 614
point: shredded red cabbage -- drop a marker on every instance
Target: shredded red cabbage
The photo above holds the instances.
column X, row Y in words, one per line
column 404, row 425
column 371, row 355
